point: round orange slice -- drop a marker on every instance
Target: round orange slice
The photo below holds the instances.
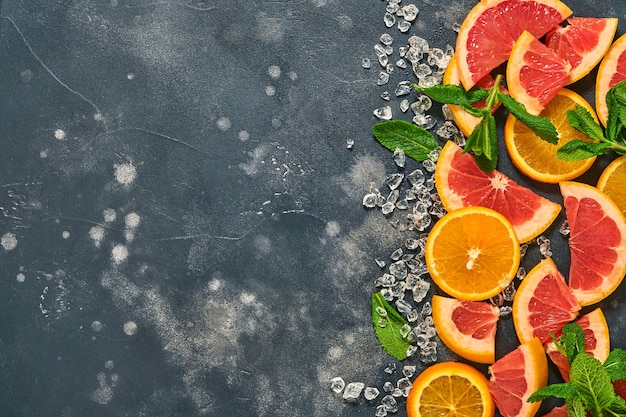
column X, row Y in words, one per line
column 517, row 375
column 597, row 341
column 490, row 29
column 543, row 303
column 472, row 253
column 582, row 43
column 536, row 158
column 612, row 70
column 451, row 389
column 612, row 182
column 535, row 73
column 597, row 242
column 467, row 328
column 461, row 183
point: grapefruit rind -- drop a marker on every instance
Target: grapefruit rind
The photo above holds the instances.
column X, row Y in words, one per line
column 464, row 121
column 608, row 76
column 505, row 385
column 544, row 211
column 593, row 242
column 479, row 349
column 562, row 305
column 612, row 180
column 524, row 72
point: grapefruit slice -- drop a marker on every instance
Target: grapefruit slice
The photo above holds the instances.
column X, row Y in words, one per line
column 559, row 411
column 597, row 341
column 543, row 303
column 461, row 183
column 515, row 376
column 450, row 389
column 535, row 73
column 612, row 180
column 612, row 70
column 597, row 242
column 468, row 328
column 582, row 43
column 490, row 29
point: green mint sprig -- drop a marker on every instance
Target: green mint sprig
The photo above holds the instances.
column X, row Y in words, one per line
column 415, row 142
column 614, row 138
column 590, row 389
column 392, row 330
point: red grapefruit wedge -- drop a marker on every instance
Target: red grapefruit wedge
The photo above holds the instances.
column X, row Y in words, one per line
column 612, row 70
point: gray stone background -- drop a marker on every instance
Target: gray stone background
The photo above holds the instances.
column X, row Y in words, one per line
column 181, row 218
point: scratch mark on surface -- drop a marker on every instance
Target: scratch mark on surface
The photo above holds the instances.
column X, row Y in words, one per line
column 53, row 75
column 159, row 135
column 174, row 3
column 201, row 235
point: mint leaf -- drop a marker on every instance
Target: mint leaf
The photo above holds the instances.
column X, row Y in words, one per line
column 615, row 364
column 592, row 382
column 563, row 390
column 483, row 142
column 581, row 119
column 618, row 406
column 572, row 340
column 575, row 408
column 415, row 142
column 390, row 327
column 454, row 94
column 540, row 126
column 577, row 150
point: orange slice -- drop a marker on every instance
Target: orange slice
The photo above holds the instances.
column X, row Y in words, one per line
column 517, row 375
column 468, row 328
column 535, row 73
column 472, row 253
column 612, row 70
column 612, row 182
column 490, row 29
column 537, row 158
column 543, row 303
column 450, row 389
column 597, row 242
column 460, row 183
column 597, row 341
column 582, row 43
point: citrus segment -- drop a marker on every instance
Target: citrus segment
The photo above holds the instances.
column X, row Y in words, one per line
column 612, row 70
column 450, row 389
column 461, row 183
column 468, row 328
column 543, row 303
column 536, row 158
column 597, row 242
column 535, row 73
column 612, row 182
column 559, row 411
column 472, row 253
column 597, row 341
column 515, row 376
column 582, row 43
column 490, row 29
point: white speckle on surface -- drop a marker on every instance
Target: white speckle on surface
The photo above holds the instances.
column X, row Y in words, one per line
column 263, row 244
column 8, row 241
column 215, row 284
column 276, row 122
column 66, row 235
column 269, row 29
column 21, row 277
column 332, row 228
column 247, row 298
column 130, row 76
column 104, row 393
column 129, row 236
column 109, row 215
column 109, row 364
column 119, row 254
column 244, row 135
column 60, row 134
column 96, row 233
column 125, row 174
column 130, row 328
column 292, row 75
column 97, row 326
column 345, row 22
column 98, row 117
column 43, row 154
column 274, row 71
column 270, row 90
column 223, row 123
column 132, row 220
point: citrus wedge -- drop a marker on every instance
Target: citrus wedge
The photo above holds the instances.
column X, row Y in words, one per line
column 460, row 183
column 612, row 182
column 582, row 43
column 597, row 341
column 515, row 376
column 450, row 389
column 535, row 73
column 543, row 303
column 597, row 242
column 472, row 253
column 468, row 328
column 612, row 70
column 536, row 158
column 490, row 29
